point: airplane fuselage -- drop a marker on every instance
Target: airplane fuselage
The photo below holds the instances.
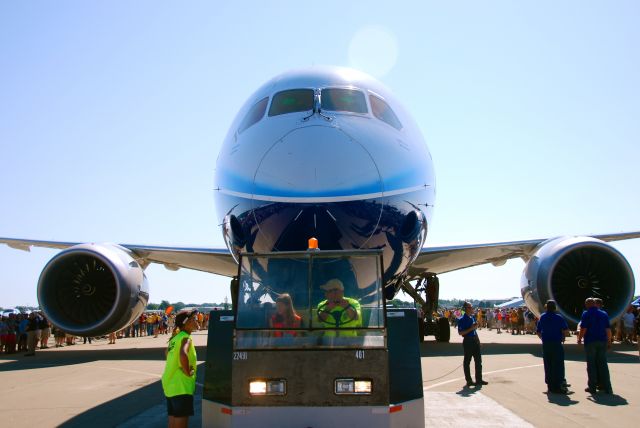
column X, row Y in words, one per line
column 329, row 153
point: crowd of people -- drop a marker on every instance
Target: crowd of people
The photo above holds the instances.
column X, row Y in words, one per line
column 523, row 321
column 156, row 323
column 515, row 320
column 22, row 332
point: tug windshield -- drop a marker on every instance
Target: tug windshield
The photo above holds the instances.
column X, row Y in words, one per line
column 311, row 299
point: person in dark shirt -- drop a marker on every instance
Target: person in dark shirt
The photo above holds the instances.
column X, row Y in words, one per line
column 467, row 326
column 33, row 334
column 552, row 329
column 595, row 329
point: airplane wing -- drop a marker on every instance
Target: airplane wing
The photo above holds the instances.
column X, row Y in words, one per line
column 439, row 260
column 435, row 260
column 212, row 260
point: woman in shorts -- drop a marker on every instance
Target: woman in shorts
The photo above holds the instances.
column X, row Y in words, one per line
column 179, row 377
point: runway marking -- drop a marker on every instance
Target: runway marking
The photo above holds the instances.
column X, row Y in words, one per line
column 484, row 373
column 446, row 409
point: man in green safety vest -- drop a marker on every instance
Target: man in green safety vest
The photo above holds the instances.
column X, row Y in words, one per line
column 337, row 311
column 179, row 377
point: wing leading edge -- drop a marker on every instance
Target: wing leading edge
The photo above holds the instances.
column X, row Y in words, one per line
column 435, row 260
column 212, row 260
column 439, row 260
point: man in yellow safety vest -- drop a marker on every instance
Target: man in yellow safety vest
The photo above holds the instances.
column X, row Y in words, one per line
column 337, row 311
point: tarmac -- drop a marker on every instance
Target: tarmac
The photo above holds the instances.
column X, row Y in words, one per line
column 102, row 385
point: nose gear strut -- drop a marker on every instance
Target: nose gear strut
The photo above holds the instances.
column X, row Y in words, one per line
column 430, row 323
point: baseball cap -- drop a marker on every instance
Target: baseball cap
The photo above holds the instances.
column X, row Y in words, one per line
column 182, row 317
column 332, row 284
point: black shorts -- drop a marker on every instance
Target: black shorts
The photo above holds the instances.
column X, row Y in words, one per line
column 180, row 405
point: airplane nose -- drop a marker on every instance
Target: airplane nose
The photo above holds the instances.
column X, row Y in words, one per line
column 324, row 183
column 317, row 163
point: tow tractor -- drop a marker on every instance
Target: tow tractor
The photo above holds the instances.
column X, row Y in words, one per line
column 312, row 372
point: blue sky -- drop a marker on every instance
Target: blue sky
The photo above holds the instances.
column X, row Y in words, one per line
column 113, row 113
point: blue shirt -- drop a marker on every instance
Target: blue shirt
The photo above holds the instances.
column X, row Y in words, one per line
column 464, row 322
column 550, row 327
column 596, row 322
column 22, row 327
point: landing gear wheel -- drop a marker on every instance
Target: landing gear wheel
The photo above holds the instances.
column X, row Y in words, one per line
column 421, row 330
column 443, row 332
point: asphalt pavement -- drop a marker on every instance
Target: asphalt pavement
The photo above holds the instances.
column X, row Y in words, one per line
column 102, row 385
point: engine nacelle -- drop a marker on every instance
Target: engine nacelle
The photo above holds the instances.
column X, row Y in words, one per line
column 93, row 289
column 570, row 269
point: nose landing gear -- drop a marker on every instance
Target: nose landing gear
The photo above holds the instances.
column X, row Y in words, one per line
column 430, row 322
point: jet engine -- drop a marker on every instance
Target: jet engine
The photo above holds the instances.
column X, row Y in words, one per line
column 93, row 289
column 568, row 270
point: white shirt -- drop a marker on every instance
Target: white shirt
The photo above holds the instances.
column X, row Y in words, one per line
column 627, row 319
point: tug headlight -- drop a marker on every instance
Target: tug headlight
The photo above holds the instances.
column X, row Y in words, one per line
column 353, row 387
column 268, row 387
column 257, row 387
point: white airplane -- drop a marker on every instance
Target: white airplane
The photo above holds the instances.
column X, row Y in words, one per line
column 329, row 153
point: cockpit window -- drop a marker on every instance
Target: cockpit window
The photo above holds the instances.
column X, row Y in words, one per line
column 291, row 101
column 255, row 114
column 382, row 111
column 350, row 100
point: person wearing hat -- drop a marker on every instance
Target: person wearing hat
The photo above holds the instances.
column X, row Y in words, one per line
column 179, row 377
column 337, row 311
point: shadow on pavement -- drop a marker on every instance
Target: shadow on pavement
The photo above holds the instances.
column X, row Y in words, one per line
column 68, row 357
column 573, row 351
column 612, row 400
column 139, row 402
column 467, row 391
column 560, row 399
column 120, row 409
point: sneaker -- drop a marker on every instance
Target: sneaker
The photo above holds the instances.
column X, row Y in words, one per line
column 590, row 390
column 482, row 382
column 470, row 384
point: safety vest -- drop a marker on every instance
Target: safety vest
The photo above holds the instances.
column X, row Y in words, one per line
column 278, row 322
column 174, row 380
column 338, row 318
